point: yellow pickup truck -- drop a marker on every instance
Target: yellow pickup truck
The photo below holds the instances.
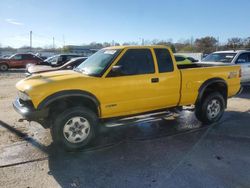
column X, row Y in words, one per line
column 120, row 85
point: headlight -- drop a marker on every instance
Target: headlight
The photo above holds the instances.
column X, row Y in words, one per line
column 23, row 96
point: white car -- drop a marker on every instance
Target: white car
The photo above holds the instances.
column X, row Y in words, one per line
column 239, row 57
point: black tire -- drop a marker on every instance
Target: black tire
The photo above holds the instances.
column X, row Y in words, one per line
column 208, row 111
column 62, row 120
column 4, row 67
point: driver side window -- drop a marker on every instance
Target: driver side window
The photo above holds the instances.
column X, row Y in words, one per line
column 243, row 58
column 134, row 62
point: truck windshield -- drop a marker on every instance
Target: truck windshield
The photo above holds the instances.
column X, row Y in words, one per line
column 98, row 62
column 219, row 57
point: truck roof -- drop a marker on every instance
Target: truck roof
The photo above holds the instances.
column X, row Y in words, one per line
column 138, row 46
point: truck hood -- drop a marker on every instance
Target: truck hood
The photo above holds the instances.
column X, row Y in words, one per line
column 49, row 79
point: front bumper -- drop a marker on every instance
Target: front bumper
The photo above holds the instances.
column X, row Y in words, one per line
column 29, row 112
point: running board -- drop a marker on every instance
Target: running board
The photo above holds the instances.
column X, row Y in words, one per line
column 152, row 117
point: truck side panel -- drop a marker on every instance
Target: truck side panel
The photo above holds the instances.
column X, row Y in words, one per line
column 193, row 78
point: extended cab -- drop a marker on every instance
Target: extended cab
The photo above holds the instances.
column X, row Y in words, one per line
column 118, row 85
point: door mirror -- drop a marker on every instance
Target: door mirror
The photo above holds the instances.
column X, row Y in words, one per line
column 116, row 68
column 115, row 71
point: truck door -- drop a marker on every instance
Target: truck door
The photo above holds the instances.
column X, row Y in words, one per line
column 133, row 85
column 168, row 88
column 244, row 61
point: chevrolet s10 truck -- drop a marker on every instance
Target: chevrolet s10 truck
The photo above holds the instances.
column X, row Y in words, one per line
column 121, row 85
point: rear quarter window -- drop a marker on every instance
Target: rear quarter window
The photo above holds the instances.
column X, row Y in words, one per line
column 164, row 60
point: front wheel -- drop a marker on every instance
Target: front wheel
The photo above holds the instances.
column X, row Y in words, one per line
column 4, row 67
column 211, row 108
column 74, row 128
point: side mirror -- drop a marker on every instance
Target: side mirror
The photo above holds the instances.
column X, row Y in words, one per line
column 115, row 71
column 116, row 68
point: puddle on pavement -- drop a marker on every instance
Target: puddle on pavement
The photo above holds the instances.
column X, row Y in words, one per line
column 34, row 148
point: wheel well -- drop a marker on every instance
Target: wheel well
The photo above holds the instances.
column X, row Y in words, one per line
column 220, row 87
column 58, row 106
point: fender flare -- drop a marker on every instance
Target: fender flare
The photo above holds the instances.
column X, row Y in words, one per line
column 68, row 93
column 207, row 83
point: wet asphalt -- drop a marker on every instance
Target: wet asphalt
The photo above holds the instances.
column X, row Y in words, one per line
column 176, row 152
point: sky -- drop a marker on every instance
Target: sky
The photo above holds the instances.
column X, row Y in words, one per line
column 78, row 22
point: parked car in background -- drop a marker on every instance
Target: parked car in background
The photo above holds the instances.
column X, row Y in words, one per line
column 71, row 64
column 58, row 60
column 239, row 57
column 19, row 61
column 180, row 59
column 4, row 57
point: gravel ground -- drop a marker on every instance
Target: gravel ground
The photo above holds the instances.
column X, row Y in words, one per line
column 146, row 155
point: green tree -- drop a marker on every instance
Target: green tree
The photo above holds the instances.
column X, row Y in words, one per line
column 247, row 42
column 206, row 44
column 165, row 43
column 235, row 43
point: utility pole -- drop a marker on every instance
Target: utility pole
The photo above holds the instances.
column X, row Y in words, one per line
column 142, row 41
column 54, row 44
column 30, row 41
column 218, row 44
column 63, row 41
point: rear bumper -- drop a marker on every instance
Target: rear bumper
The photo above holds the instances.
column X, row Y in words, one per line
column 28, row 112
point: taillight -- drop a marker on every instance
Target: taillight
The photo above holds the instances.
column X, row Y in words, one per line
column 240, row 73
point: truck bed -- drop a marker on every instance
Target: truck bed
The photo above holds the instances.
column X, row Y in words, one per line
column 193, row 76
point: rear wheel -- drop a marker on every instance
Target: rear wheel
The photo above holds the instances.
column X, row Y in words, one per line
column 74, row 128
column 4, row 67
column 211, row 108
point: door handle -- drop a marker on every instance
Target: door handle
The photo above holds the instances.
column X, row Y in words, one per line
column 154, row 80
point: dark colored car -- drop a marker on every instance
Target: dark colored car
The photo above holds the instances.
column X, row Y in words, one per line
column 58, row 60
column 71, row 64
column 19, row 61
